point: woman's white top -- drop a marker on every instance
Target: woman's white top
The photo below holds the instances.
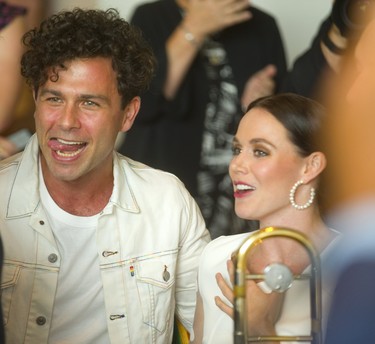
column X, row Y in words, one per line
column 218, row 326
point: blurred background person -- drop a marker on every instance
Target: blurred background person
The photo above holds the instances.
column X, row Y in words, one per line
column 12, row 27
column 323, row 59
column 36, row 11
column 16, row 101
column 350, row 183
column 207, row 51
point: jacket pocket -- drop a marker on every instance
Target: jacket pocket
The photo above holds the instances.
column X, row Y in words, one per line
column 155, row 284
column 9, row 278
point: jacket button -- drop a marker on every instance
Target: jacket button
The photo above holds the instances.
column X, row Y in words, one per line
column 41, row 320
column 52, row 258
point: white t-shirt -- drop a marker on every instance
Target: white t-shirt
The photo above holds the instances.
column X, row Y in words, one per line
column 79, row 314
column 218, row 326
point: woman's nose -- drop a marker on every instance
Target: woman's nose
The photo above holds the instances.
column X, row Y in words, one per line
column 238, row 164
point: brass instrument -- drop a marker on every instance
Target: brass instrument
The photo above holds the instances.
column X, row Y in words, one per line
column 279, row 278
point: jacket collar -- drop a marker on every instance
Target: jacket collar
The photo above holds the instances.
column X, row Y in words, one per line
column 123, row 195
column 26, row 184
column 24, row 197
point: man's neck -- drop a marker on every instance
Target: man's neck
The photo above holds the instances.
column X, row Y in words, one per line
column 86, row 196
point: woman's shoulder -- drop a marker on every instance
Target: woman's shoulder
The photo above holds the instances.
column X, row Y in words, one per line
column 9, row 12
column 224, row 245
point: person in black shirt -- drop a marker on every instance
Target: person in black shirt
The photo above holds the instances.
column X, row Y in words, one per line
column 207, row 52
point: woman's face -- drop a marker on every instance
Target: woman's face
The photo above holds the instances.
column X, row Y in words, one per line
column 264, row 167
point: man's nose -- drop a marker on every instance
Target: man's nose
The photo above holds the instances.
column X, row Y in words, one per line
column 69, row 117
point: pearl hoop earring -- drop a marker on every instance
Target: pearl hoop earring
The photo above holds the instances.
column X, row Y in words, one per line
column 292, row 196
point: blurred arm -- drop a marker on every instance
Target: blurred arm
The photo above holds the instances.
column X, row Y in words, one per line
column 11, row 80
column 203, row 17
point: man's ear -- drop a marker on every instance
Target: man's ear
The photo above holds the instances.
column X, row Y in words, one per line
column 35, row 93
column 130, row 113
column 315, row 164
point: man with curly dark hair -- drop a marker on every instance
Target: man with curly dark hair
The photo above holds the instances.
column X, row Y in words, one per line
column 98, row 248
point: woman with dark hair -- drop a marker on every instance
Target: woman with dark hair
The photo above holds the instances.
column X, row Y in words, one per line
column 275, row 173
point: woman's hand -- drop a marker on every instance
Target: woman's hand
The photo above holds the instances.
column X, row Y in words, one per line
column 263, row 310
column 227, row 290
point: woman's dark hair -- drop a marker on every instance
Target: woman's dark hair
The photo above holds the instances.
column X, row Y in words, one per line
column 301, row 117
column 79, row 33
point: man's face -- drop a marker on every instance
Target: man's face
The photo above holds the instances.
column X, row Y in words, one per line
column 77, row 120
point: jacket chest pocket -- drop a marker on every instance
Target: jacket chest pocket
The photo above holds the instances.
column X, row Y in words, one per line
column 10, row 277
column 155, row 284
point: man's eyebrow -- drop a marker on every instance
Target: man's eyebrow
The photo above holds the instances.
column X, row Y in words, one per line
column 85, row 96
column 94, row 96
column 47, row 90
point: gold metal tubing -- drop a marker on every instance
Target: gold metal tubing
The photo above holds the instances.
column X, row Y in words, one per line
column 240, row 323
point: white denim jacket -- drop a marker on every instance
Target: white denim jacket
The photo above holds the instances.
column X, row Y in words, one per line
column 150, row 223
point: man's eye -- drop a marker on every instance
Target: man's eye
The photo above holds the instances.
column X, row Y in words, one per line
column 54, row 99
column 90, row 103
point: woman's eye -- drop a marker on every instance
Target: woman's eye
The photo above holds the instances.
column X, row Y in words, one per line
column 236, row 150
column 260, row 153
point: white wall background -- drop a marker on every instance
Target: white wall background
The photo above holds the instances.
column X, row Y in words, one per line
column 298, row 19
